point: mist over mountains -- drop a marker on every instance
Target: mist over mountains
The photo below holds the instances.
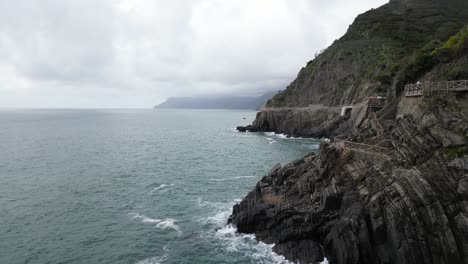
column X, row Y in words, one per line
column 224, row 102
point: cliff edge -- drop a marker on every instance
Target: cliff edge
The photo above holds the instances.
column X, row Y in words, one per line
column 392, row 185
column 402, row 200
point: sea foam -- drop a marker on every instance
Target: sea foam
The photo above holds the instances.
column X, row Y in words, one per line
column 167, row 223
column 160, row 187
column 153, row 260
column 282, row 136
column 231, row 241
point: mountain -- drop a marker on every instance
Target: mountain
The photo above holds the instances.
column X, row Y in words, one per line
column 379, row 53
column 227, row 102
column 391, row 184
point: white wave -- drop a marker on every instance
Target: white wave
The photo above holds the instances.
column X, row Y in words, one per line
column 153, row 260
column 245, row 244
column 167, row 223
column 325, row 261
column 282, row 136
column 160, row 187
column 218, row 219
column 233, row 178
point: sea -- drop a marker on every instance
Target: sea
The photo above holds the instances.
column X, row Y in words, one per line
column 132, row 186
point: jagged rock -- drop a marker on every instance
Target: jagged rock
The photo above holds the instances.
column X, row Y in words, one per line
column 244, row 128
column 407, row 204
column 301, row 122
column 352, row 206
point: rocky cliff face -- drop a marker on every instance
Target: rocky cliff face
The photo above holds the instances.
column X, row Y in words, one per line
column 372, row 57
column 383, row 50
column 404, row 200
column 305, row 122
column 408, row 204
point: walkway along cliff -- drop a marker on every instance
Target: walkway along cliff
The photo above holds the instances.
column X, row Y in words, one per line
column 392, row 185
column 400, row 197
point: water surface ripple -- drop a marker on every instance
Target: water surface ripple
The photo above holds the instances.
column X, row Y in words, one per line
column 131, row 186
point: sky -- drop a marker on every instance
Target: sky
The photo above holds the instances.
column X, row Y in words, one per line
column 137, row 53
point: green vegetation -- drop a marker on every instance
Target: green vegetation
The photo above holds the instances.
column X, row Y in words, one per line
column 384, row 49
column 456, row 152
column 455, row 46
column 436, row 52
column 458, row 73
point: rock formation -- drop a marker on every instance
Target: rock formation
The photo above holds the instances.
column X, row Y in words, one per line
column 409, row 205
column 392, row 187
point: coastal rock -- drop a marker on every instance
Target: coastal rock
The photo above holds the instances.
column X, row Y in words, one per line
column 409, row 205
column 298, row 122
column 244, row 128
column 405, row 199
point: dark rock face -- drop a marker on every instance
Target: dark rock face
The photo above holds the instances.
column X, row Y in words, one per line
column 354, row 206
column 301, row 122
column 244, row 128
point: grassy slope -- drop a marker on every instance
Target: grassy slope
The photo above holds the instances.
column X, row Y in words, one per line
column 383, row 49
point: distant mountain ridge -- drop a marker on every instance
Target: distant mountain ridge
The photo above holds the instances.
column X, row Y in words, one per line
column 225, row 102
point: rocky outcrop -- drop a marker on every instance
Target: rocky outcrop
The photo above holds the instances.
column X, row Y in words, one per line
column 384, row 49
column 407, row 206
column 405, row 199
column 307, row 122
column 297, row 122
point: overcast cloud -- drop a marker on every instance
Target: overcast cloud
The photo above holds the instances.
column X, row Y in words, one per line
column 136, row 53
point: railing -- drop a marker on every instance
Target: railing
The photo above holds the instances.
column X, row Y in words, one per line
column 359, row 146
column 428, row 88
column 414, row 90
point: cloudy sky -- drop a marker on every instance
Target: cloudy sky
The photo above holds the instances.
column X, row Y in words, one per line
column 136, row 53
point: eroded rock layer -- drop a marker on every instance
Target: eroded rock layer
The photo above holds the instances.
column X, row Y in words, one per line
column 406, row 206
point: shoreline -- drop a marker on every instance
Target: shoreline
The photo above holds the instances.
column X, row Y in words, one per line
column 342, row 188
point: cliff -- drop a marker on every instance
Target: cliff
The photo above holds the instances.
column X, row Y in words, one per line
column 374, row 54
column 392, row 186
column 405, row 204
column 384, row 49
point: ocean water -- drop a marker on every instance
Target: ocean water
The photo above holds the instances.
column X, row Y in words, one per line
column 131, row 186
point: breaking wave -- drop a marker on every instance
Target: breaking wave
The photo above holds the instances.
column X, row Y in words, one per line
column 160, row 187
column 237, row 243
column 282, row 136
column 167, row 223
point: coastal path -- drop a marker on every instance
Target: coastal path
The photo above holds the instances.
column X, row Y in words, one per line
column 361, row 147
column 430, row 88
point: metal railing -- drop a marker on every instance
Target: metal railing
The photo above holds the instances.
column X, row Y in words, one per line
column 360, row 146
column 428, row 88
